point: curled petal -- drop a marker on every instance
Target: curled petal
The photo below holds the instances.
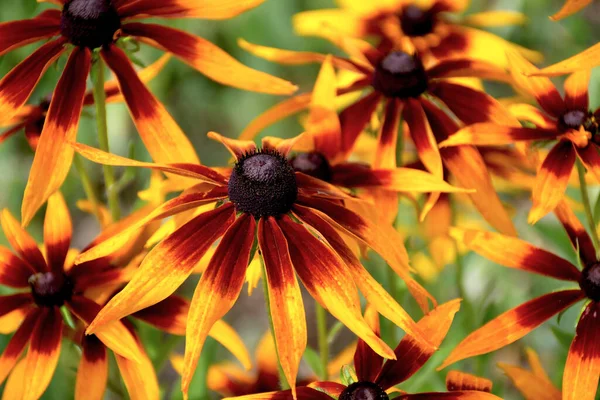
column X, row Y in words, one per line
column 237, row 148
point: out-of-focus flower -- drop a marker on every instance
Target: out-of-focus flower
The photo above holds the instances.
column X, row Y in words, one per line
column 534, row 384
column 97, row 27
column 570, row 7
column 580, row 378
column 567, row 120
column 583, row 61
column 434, row 28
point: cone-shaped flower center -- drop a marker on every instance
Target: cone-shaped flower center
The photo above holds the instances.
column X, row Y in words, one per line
column 400, row 75
column 590, row 281
column 89, row 23
column 573, row 119
column 313, row 163
column 263, row 184
column 363, row 391
column 50, row 289
column 416, row 21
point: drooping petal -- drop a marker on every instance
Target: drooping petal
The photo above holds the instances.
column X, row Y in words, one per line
column 552, row 180
column 161, row 135
column 206, row 9
column 582, row 369
column 516, row 253
column 488, row 134
column 15, row 34
column 585, row 60
column 57, row 231
column 167, row 266
column 139, row 376
column 576, row 90
column 580, row 239
column 22, row 242
column 208, row 59
column 92, row 373
column 457, row 380
column 570, row 7
column 423, row 138
column 218, row 290
column 17, row 343
column 412, row 355
column 513, row 325
column 14, row 272
column 355, row 118
column 285, row 298
column 322, row 273
column 237, row 148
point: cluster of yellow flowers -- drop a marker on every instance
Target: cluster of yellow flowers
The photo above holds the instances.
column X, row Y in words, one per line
column 403, row 113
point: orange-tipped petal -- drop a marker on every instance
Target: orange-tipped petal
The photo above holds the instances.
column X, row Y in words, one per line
column 457, row 380
column 531, row 386
column 367, row 363
column 92, row 373
column 302, row 393
column 590, row 158
column 468, row 68
column 495, row 18
column 139, row 376
column 12, row 302
column 218, row 290
column 14, row 272
column 236, row 147
column 354, row 119
column 57, row 231
column 461, row 395
column 22, row 242
column 285, row 298
column 15, row 34
column 552, row 180
column 580, row 239
column 206, row 9
column 515, row 253
column 488, row 134
column 422, row 136
column 582, row 369
column 17, row 343
column 385, row 154
column 585, row 60
column 161, row 135
column 570, row 7
column 208, row 59
column 513, row 325
column 576, row 90
column 167, row 266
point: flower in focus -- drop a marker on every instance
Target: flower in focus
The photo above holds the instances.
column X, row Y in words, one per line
column 534, row 384
column 580, row 378
column 567, row 120
column 433, row 28
column 86, row 27
column 570, row 7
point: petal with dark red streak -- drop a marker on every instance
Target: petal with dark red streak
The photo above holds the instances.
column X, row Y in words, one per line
column 237, row 148
column 580, row 239
column 92, row 373
column 576, row 90
column 206, row 9
column 355, row 118
column 457, row 380
column 57, row 232
column 423, row 137
column 14, row 272
column 585, row 60
column 385, row 154
column 17, row 343
column 15, row 34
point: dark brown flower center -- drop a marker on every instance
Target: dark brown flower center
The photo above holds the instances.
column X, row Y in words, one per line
column 50, row 289
column 573, row 119
column 90, row 23
column 313, row 163
column 590, row 281
column 400, row 75
column 415, row 21
column 263, row 184
column 363, row 391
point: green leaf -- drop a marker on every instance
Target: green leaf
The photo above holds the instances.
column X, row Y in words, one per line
column 314, row 361
column 348, row 375
column 334, row 331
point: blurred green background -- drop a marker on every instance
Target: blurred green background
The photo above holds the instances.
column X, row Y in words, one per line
column 200, row 105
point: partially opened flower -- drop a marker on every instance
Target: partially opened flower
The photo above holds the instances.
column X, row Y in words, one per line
column 85, row 26
column 570, row 7
column 582, row 369
column 436, row 29
column 397, row 86
column 568, row 120
column 300, row 225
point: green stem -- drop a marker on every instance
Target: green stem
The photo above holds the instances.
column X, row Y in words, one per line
column 87, row 186
column 587, row 205
column 322, row 336
column 100, row 102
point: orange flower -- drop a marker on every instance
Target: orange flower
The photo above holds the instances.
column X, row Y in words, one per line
column 583, row 61
column 262, row 187
column 569, row 120
column 570, row 7
column 580, row 379
column 86, row 26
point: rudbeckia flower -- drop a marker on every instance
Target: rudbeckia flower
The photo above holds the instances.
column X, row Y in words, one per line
column 85, row 26
column 299, row 223
column 583, row 61
column 580, row 378
column 434, row 28
column 568, row 120
column 570, row 7
column 398, row 84
column 376, row 378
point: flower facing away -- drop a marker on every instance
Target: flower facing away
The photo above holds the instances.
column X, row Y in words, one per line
column 376, row 379
column 403, row 88
column 264, row 204
column 96, row 27
column 567, row 120
column 580, row 378
column 570, row 7
column 433, row 29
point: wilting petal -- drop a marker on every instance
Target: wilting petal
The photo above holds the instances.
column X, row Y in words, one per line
column 18, row 84
column 422, row 137
column 218, row 290
column 531, row 385
column 411, row 355
column 15, row 34
column 57, row 231
column 457, row 380
column 139, row 376
column 206, row 9
column 367, row 363
column 355, row 118
column 17, row 343
column 580, row 239
column 462, row 395
column 14, row 272
column 53, row 156
column 44, row 350
column 237, row 148
column 585, row 60
column 513, row 325
column 576, row 90
column 323, row 273
column 582, row 369
column 161, row 135
column 285, row 298
column 167, row 266
column 209, row 59
column 92, row 373
column 516, row 253
column 552, row 180
column 385, row 154
column 22, row 242
column 488, row 134
column 570, row 7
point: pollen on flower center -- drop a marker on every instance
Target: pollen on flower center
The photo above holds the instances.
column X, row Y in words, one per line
column 89, row 23
column 313, row 163
column 363, row 391
column 415, row 21
column 50, row 289
column 263, row 184
column 572, row 119
column 400, row 75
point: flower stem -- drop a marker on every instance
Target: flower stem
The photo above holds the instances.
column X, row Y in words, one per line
column 87, row 187
column 585, row 198
column 323, row 342
column 100, row 102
